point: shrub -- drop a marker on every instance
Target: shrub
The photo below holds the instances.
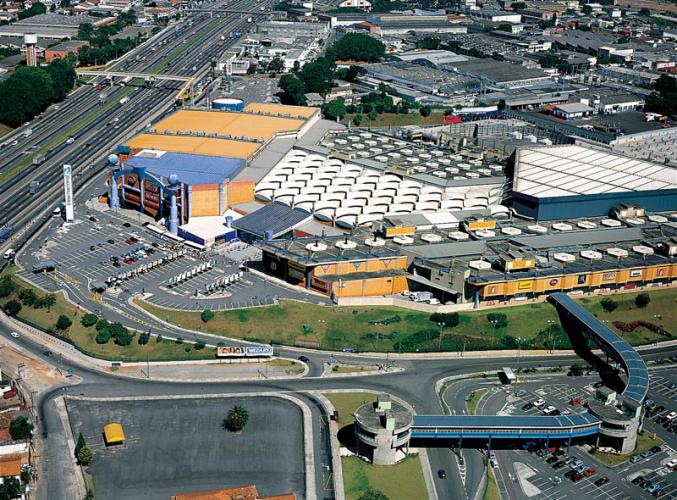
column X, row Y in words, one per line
column 7, row 287
column 449, row 320
column 63, row 323
column 178, row 340
column 89, row 320
column 158, row 339
column 123, row 337
column 102, row 324
column 609, row 305
column 12, row 307
column 236, row 419
column 144, row 338
column 199, row 345
column 642, row 300
column 206, row 315
column 500, row 319
column 85, row 455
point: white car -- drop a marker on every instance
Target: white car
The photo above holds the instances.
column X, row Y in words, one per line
column 548, row 410
column 539, row 402
column 672, row 463
column 672, row 415
column 14, row 334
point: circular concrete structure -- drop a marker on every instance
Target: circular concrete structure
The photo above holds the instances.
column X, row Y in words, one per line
column 228, row 104
column 383, row 430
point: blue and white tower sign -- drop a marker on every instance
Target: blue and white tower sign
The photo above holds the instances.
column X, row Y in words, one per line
column 68, row 192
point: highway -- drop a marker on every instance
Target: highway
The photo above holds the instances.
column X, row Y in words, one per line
column 97, row 125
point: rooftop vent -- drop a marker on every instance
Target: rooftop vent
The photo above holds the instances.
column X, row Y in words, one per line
column 537, row 228
column 346, row 244
column 634, row 221
column 586, row 224
column 511, row 231
column 610, row 223
column 485, row 233
column 403, row 240
column 316, row 247
column 564, row 257
column 617, row 252
column 375, row 242
column 642, row 250
column 431, row 237
column 591, row 255
column 458, row 235
column 479, row 265
column 657, row 218
column 562, row 226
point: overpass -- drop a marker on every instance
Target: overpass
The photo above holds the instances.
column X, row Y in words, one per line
column 543, row 427
column 125, row 74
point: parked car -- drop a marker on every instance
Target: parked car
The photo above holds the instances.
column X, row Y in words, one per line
column 15, row 335
column 639, row 481
column 672, row 415
column 304, row 359
column 539, row 402
column 635, row 458
column 520, row 393
column 672, row 463
column 646, row 454
column 575, row 401
column 527, row 406
column 602, row 481
column 442, row 474
column 589, row 472
column 9, row 394
column 656, row 449
column 552, row 460
column 558, row 465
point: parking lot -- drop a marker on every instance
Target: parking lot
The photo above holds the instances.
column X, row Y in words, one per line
column 524, row 474
column 113, row 247
column 179, row 446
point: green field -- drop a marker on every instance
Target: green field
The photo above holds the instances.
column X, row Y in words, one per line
column 83, row 338
column 347, row 402
column 331, row 327
column 402, row 481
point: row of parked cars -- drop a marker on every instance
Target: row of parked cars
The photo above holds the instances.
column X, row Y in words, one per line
column 648, row 486
column 557, row 458
column 542, row 407
column 646, row 454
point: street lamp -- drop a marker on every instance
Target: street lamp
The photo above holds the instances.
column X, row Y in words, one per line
column 550, row 323
column 439, row 344
column 519, row 351
column 493, row 330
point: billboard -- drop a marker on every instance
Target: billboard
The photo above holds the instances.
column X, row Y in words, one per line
column 68, row 192
column 241, row 351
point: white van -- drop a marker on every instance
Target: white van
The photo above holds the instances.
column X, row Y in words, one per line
column 9, row 254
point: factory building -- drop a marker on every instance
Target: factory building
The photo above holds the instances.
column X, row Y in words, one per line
column 575, row 181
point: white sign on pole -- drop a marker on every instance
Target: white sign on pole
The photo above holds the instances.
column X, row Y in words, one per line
column 68, row 193
column 229, row 68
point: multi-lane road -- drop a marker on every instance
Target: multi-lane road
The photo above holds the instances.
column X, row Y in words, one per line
column 97, row 124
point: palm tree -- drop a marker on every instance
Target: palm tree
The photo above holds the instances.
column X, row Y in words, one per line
column 236, row 419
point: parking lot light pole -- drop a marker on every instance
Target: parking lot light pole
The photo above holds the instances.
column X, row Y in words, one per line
column 550, row 323
column 493, row 330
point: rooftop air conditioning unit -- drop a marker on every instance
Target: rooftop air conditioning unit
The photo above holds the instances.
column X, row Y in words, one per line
column 431, row 238
column 375, row 242
column 586, row 224
column 479, row 265
column 346, row 244
column 316, row 247
column 643, row 250
column 591, row 255
column 617, row 252
column 403, row 240
column 610, row 223
column 562, row 226
column 537, row 228
column 458, row 235
column 511, row 231
column 485, row 233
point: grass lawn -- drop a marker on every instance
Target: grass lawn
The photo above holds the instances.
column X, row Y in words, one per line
column 472, row 403
column 403, row 481
column 4, row 130
column 398, row 120
column 332, row 327
column 491, row 492
column 83, row 338
column 644, row 442
column 347, row 402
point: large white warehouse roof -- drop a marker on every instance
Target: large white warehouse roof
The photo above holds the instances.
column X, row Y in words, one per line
column 552, row 171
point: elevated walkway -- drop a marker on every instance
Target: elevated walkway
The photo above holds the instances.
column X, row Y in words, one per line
column 542, row 427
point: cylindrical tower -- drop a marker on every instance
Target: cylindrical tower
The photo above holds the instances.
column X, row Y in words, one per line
column 172, row 189
column 31, row 42
column 113, row 167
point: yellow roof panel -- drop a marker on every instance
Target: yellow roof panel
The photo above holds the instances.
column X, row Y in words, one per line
column 225, row 123
column 281, row 109
column 196, row 145
column 113, row 433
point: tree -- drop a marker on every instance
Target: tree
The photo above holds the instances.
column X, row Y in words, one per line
column 63, row 322
column 357, row 47
column 63, row 77
column 121, row 334
column 10, row 488
column 27, row 92
column 357, row 119
column 49, row 300
column 21, row 428
column 609, row 305
column 505, row 27
column 89, row 320
column 276, row 65
column 334, row 110
column 85, row 31
column 642, row 300
column 293, row 90
column 664, row 98
column 237, row 418
column 499, row 319
column 373, row 494
column 102, row 336
column 318, row 75
column 501, row 104
column 206, row 315
column 428, row 43
column 81, row 442
column 12, row 307
column 7, row 286
column 144, row 338
column 199, row 345
column 85, row 456
column 425, row 111
column 518, row 5
column 353, row 72
column 27, row 296
column 52, row 8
